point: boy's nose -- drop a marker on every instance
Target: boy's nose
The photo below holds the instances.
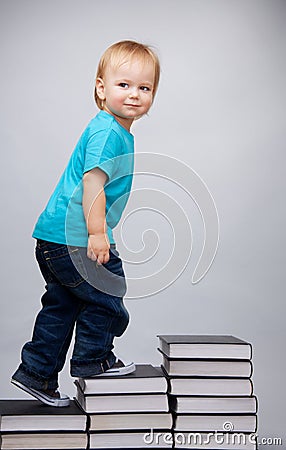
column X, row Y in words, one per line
column 133, row 93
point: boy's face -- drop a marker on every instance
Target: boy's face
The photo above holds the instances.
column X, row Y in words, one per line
column 127, row 91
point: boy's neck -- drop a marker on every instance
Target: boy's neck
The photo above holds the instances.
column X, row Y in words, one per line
column 124, row 122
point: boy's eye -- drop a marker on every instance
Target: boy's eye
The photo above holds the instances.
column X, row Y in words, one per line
column 145, row 88
column 123, row 85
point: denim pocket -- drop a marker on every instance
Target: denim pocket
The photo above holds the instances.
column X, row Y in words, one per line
column 66, row 263
column 112, row 275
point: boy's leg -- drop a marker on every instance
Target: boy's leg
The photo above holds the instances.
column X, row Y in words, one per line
column 103, row 317
column 96, row 328
column 44, row 356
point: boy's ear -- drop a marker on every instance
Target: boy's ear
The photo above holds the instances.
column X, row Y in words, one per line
column 100, row 90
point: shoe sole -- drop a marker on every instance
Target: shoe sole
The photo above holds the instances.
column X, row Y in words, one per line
column 58, row 402
column 117, row 372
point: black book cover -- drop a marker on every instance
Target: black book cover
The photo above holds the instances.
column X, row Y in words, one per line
column 145, row 379
column 39, row 411
column 35, row 408
column 141, row 371
column 184, row 341
column 201, row 339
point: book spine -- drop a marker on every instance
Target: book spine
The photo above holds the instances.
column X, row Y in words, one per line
column 251, row 386
column 251, row 369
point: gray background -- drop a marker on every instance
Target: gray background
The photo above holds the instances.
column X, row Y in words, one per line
column 220, row 108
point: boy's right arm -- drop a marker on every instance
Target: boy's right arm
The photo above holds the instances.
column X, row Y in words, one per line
column 94, row 207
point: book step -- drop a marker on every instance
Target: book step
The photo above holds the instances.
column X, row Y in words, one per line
column 203, row 383
column 32, row 416
column 192, row 346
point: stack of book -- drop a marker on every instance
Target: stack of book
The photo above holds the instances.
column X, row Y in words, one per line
column 29, row 424
column 210, row 391
column 123, row 409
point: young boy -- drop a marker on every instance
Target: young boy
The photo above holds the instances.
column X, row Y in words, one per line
column 75, row 249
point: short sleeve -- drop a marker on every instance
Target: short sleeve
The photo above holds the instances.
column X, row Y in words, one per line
column 102, row 148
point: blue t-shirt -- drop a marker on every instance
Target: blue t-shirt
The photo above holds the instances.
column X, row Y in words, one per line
column 104, row 144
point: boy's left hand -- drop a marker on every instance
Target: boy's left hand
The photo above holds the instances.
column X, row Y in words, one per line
column 98, row 248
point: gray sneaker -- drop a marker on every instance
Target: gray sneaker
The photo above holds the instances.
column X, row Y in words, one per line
column 118, row 368
column 49, row 397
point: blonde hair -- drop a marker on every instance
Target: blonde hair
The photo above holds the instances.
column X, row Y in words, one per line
column 121, row 52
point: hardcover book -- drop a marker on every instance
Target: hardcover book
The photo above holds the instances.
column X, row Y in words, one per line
column 214, row 441
column 210, row 386
column 131, row 440
column 146, row 378
column 207, row 368
column 122, row 403
column 130, row 421
column 204, row 346
column 44, row 441
column 32, row 415
column 213, row 405
column 215, row 422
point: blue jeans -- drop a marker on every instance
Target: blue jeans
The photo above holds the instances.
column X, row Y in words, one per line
column 79, row 293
